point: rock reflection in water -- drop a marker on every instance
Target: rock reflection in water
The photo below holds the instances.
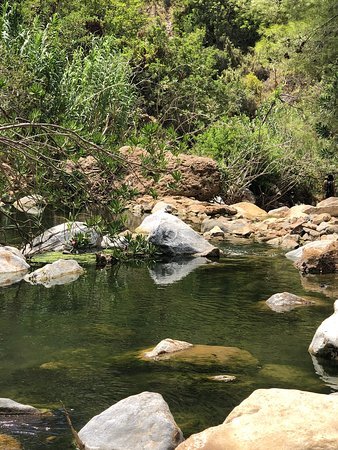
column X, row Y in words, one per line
column 323, row 369
column 164, row 273
column 8, row 278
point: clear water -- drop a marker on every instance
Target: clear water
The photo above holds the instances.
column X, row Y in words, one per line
column 78, row 343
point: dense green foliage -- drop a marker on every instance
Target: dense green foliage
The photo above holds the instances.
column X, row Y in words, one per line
column 250, row 83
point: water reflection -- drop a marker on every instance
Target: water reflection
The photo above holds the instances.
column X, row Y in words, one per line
column 327, row 371
column 169, row 272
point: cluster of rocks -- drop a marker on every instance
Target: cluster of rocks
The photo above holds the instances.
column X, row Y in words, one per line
column 268, row 418
column 14, row 268
column 288, row 228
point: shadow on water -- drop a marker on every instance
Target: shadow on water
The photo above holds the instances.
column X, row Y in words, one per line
column 79, row 342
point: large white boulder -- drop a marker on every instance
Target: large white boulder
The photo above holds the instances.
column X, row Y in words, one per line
column 12, row 260
column 153, row 221
column 59, row 272
column 174, row 237
column 138, row 422
column 59, row 237
column 276, row 419
column 325, row 341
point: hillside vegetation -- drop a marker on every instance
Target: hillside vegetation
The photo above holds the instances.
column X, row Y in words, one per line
column 250, row 83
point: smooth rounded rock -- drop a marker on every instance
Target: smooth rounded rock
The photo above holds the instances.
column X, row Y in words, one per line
column 167, row 346
column 12, row 260
column 284, row 301
column 138, row 422
column 59, row 272
column 325, row 341
column 274, row 419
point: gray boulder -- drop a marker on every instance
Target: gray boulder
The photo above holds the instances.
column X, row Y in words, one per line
column 60, row 237
column 138, row 422
column 284, row 301
column 325, row 341
column 177, row 238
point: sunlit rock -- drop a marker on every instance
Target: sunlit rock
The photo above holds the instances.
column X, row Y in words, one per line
column 296, row 254
column 327, row 206
column 325, row 341
column 8, row 406
column 249, row 210
column 138, row 422
column 284, row 301
column 60, row 272
column 275, row 419
column 152, row 222
column 64, row 236
column 215, row 232
column 162, row 206
column 11, row 261
column 164, row 273
column 299, row 211
column 174, row 237
column 167, row 346
column 279, row 212
column 319, row 260
column 31, row 204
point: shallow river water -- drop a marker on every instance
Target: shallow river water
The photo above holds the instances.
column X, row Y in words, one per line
column 78, row 343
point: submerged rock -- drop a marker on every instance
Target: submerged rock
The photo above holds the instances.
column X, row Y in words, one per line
column 223, row 378
column 167, row 346
column 60, row 272
column 138, row 422
column 325, row 341
column 9, row 443
column 275, row 419
column 206, row 355
column 63, row 236
column 284, row 301
column 8, row 406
